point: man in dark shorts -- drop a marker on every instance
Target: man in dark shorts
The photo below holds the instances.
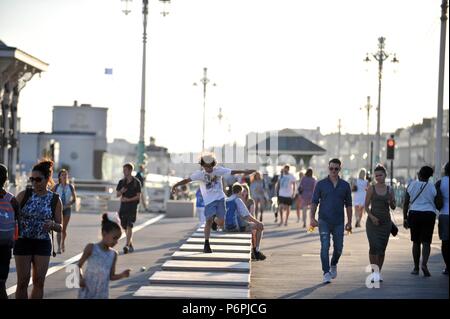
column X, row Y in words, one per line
column 129, row 191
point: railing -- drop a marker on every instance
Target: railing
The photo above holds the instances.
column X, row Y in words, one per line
column 94, row 195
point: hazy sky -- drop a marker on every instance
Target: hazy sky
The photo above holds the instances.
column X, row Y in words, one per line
column 277, row 64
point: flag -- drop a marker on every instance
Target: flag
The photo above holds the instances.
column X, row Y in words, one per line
column 108, row 71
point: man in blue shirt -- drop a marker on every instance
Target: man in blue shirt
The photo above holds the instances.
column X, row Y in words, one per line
column 332, row 193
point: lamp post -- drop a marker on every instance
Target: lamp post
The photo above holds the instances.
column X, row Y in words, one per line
column 368, row 107
column 440, row 106
column 204, row 80
column 127, row 10
column 381, row 55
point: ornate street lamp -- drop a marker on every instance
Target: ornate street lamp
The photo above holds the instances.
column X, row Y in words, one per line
column 127, row 10
column 381, row 55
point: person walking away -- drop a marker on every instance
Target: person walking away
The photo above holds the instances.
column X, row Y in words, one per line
column 129, row 191
column 306, row 191
column 66, row 192
column 101, row 261
column 258, row 195
column 140, row 175
column 419, row 215
column 380, row 198
column 298, row 199
column 442, row 192
column 332, row 194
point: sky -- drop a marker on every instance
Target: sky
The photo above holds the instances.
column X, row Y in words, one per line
column 276, row 64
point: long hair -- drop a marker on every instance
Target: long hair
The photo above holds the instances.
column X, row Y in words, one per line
column 60, row 173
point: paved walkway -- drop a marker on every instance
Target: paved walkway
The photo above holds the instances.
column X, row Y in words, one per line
column 293, row 269
column 154, row 244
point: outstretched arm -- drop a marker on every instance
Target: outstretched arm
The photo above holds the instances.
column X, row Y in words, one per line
column 181, row 183
column 246, row 171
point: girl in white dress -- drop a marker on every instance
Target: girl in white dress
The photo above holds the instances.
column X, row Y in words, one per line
column 359, row 196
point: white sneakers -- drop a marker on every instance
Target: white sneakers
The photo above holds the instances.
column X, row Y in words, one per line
column 327, row 278
column 376, row 277
column 333, row 272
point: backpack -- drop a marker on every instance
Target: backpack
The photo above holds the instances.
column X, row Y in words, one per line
column 54, row 203
column 7, row 219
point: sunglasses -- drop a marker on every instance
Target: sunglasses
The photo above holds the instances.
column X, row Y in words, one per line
column 36, row 179
column 334, row 169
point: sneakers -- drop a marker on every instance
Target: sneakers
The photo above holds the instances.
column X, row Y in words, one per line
column 130, row 248
column 375, row 277
column 258, row 255
column 415, row 271
column 326, row 278
column 253, row 255
column 426, row 273
column 207, row 249
column 333, row 272
column 125, row 250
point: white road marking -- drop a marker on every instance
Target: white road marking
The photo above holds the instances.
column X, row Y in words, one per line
column 74, row 259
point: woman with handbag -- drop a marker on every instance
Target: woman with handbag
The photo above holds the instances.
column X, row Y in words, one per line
column 379, row 199
column 419, row 213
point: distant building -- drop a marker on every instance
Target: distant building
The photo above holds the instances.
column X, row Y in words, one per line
column 415, row 146
column 77, row 141
column 121, row 151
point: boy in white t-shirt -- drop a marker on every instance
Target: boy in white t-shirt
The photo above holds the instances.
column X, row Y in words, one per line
column 211, row 187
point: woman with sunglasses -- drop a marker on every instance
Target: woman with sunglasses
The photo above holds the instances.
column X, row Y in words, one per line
column 39, row 215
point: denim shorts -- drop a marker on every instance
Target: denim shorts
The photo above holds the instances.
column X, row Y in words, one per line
column 216, row 208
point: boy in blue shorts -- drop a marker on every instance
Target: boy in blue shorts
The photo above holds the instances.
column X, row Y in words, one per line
column 211, row 187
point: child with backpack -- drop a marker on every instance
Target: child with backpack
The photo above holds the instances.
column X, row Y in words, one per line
column 101, row 262
column 8, row 214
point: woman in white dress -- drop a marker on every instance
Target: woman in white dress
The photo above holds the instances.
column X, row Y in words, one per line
column 359, row 196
